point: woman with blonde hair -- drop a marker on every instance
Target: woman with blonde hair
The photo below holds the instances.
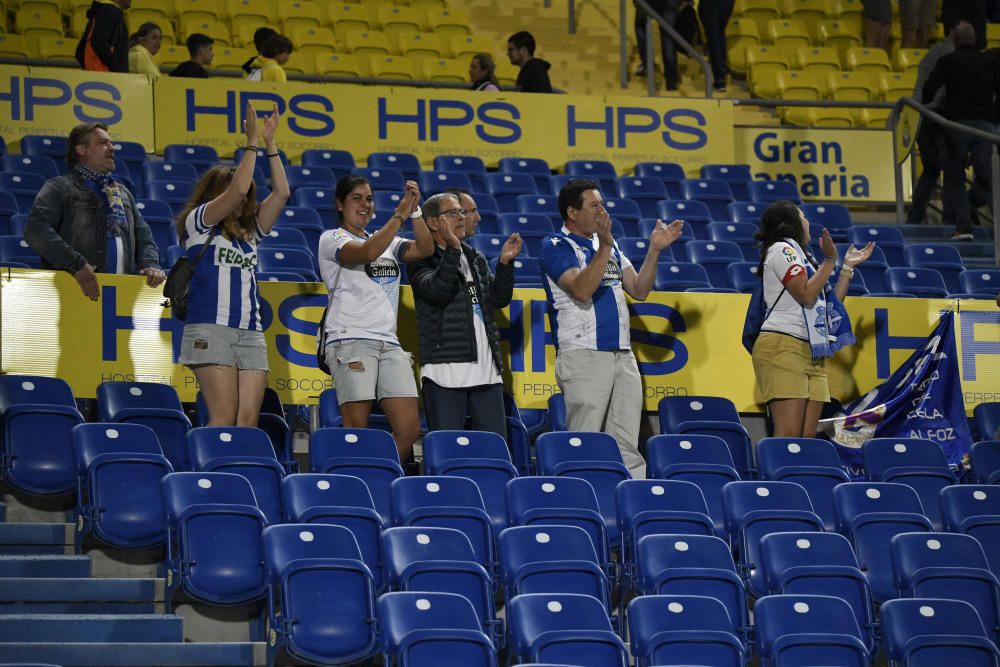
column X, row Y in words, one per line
column 142, row 46
column 223, row 340
column 483, row 72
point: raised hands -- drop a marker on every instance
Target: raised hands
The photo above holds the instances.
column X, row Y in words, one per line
column 663, row 234
column 511, row 248
column 855, row 256
column 827, row 246
column 250, row 125
column 408, row 204
column 603, row 223
column 271, row 123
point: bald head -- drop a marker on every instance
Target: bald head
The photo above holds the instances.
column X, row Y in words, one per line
column 963, row 34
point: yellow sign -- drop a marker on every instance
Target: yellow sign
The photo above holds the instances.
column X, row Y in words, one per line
column 46, row 100
column 430, row 122
column 686, row 344
column 826, row 164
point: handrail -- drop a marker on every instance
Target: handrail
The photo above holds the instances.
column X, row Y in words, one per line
column 652, row 16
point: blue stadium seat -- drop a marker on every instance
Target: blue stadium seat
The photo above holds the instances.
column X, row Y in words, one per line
column 287, row 237
column 118, row 498
column 980, row 281
column 16, row 249
column 544, row 204
column 482, row 457
column 810, row 462
column 715, row 194
column 947, row 565
column 175, row 193
column 670, row 173
column 756, row 509
column 646, row 192
column 281, row 276
column 924, row 283
column 679, row 276
column 302, row 560
column 813, row 563
column 440, row 560
column 133, row 155
column 835, row 218
column 261, row 157
column 433, row 182
column 557, row 412
column 153, row 404
column 335, row 160
column 432, row 629
column 488, row 210
column 506, row 188
column 23, row 186
column 369, row 454
column 242, row 451
column 519, row 441
column 743, row 276
column 537, row 168
column 488, row 244
column 808, row 630
column 407, row 164
column 42, row 165
column 625, row 215
column 869, row 514
column 974, row 509
column 746, row 211
column 156, row 210
column 942, row 257
column 737, row 232
column 602, row 171
column 214, row 550
column 715, row 256
column 987, row 416
column 200, row 157
column 306, row 220
column 932, row 631
column 636, row 248
column 693, row 565
column 563, row 628
column 689, row 232
column 524, row 222
column 299, row 260
column 9, row 208
column 473, row 167
column 888, row 238
column 386, row 202
column 311, row 175
column 169, row 171
column 683, row 629
column 382, row 178
column 527, row 268
column 985, row 459
column 766, row 192
column 709, row 415
column 736, row 175
column 18, row 221
column 920, row 464
column 272, row 414
column 694, row 213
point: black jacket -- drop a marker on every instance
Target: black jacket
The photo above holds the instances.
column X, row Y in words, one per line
column 971, row 81
column 534, row 77
column 444, row 307
column 190, row 69
column 108, row 36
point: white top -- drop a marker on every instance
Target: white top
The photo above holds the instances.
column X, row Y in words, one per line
column 364, row 298
column 483, row 371
column 781, row 264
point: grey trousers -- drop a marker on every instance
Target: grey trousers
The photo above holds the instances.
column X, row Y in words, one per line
column 603, row 392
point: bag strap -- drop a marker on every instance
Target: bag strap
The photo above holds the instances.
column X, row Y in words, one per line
column 780, row 294
column 204, row 247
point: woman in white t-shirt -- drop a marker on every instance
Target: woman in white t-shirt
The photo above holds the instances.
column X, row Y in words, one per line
column 793, row 381
column 223, row 339
column 362, row 273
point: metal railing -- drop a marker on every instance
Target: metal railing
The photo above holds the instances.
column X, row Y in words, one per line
column 682, row 44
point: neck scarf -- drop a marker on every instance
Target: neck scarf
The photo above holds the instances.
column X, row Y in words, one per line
column 110, row 192
column 827, row 322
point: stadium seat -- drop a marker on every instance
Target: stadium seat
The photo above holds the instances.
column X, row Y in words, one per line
column 537, row 168
column 715, row 194
column 432, row 628
column 302, row 559
column 679, row 276
column 38, row 20
column 16, row 249
column 670, row 173
column 50, row 146
column 563, row 628
column 944, row 258
column 736, row 175
column 200, row 157
column 169, row 171
column 369, row 454
column 743, row 276
column 419, row 47
column 388, row 178
column 980, row 281
column 365, row 43
column 646, row 192
column 440, row 560
column 488, row 244
column 288, row 237
column 708, row 415
column 715, row 257
column 602, row 171
column 745, row 211
column 683, row 629
column 464, row 47
column 766, row 192
column 919, row 464
column 869, row 514
column 924, row 283
column 214, row 550
column 557, row 412
column 470, row 165
column 636, row 248
column 313, row 175
column 810, row 462
column 887, row 238
column 482, row 457
column 55, row 47
column 522, row 223
column 928, row 631
column 763, row 64
column 839, row 35
column 788, row 33
column 834, row 217
column 985, row 459
column 813, row 563
column 863, row 59
column 625, row 215
column 153, row 404
column 694, row 213
column 118, row 496
column 908, row 60
column 808, row 629
column 448, row 22
column 8, row 213
column 527, row 266
column 439, row 181
column 507, row 187
column 42, row 165
column 741, row 35
column 974, row 509
column 348, row 17
column 319, row 200
column 13, row 46
column 299, row 260
column 546, row 205
column 175, row 193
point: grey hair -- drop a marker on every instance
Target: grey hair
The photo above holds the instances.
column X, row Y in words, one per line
column 434, row 204
column 963, row 34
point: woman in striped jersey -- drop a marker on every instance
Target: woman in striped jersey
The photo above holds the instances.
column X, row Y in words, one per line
column 223, row 339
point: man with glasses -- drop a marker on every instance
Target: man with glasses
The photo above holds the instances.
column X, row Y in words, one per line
column 586, row 278
column 456, row 295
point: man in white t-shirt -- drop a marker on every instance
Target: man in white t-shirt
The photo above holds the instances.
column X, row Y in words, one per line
column 456, row 295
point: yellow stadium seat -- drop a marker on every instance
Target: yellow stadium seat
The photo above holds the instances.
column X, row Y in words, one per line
column 78, row 21
column 398, row 20
column 441, row 69
column 448, row 23
column 136, row 17
column 893, row 85
column 831, row 117
column 230, row 58
column 365, row 43
column 840, row 36
column 817, row 59
column 390, row 67
column 788, row 33
column 809, row 12
column 763, row 63
column 851, row 12
column 164, row 9
column 297, row 13
column 299, row 63
column 852, row 87
column 741, row 34
column 171, row 56
column 243, row 28
column 59, row 5
column 874, row 117
column 507, row 73
column 214, row 29
column 418, row 46
column 338, row 64
column 204, row 10
column 13, row 46
column 863, row 59
column 468, row 46
column 260, row 8
column 758, row 11
column 909, row 59
column 50, row 47
column 39, row 20
column 313, row 40
column 992, row 35
column 348, row 17
column 425, row 5
column 800, row 85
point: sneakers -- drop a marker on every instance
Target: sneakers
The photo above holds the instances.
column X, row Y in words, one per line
column 641, row 70
column 962, row 236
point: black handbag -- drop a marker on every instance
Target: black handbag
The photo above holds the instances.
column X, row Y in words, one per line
column 321, row 343
column 179, row 279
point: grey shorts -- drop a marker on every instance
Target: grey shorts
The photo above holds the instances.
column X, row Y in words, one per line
column 364, row 370
column 916, row 13
column 879, row 11
column 217, row 345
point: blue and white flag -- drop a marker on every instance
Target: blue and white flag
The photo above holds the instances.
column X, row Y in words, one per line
column 922, row 399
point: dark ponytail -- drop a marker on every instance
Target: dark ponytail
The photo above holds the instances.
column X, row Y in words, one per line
column 781, row 220
column 143, row 30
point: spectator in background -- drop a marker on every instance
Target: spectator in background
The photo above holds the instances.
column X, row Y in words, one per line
column 456, row 295
column 667, row 10
column 714, row 18
column 269, row 65
column 877, row 22
column 468, row 204
column 103, row 46
column 260, row 35
column 972, row 11
column 85, row 222
column 971, row 82
column 483, row 73
column 143, row 45
column 917, row 18
column 202, row 52
column 534, row 74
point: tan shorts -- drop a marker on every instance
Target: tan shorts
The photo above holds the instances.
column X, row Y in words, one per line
column 785, row 369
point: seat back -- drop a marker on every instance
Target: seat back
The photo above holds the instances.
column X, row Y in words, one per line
column 367, row 453
column 921, row 631
column 810, row 462
column 558, row 500
column 985, row 459
column 771, row 191
column 674, row 410
column 558, row 627
column 687, row 629
column 34, row 389
column 656, row 507
column 987, row 416
column 808, row 629
column 427, row 628
column 920, row 464
column 112, row 397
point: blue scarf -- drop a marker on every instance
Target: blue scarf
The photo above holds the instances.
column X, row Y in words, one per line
column 110, row 192
column 827, row 322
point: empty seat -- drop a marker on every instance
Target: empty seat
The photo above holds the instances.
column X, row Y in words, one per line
column 987, row 417
column 175, row 193
column 508, row 223
column 507, row 187
column 406, row 163
column 646, row 192
column 602, row 171
column 836, row 218
column 770, row 191
column 980, row 281
column 743, row 276
column 887, row 238
column 683, row 629
column 709, row 415
column 925, row 283
column 932, row 631
column 537, row 168
column 715, row 256
column 715, row 194
column 920, row 464
column 985, row 459
column 942, row 257
column 369, row 454
column 736, row 175
column 200, row 157
column 810, row 462
column 432, row 628
column 153, row 404
column 808, row 630
column 51, row 146
column 974, row 509
column 23, row 186
column 563, row 628
column 679, row 276
column 42, row 165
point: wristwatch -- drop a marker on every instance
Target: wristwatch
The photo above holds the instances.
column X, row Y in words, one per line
column 417, row 213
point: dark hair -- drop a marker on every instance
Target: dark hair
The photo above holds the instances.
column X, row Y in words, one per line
column 571, row 194
column 142, row 32
column 274, row 45
column 523, row 39
column 212, row 184
column 456, row 190
column 80, row 136
column 197, row 41
column 485, row 61
column 347, row 184
column 434, row 204
column 261, row 35
column 781, row 220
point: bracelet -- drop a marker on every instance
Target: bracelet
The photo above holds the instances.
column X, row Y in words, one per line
column 831, row 260
column 251, row 148
column 847, row 271
column 417, row 213
column 399, row 217
column 278, row 154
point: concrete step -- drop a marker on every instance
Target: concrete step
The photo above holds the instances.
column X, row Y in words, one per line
column 62, row 567
column 81, row 596
column 90, row 628
column 36, row 538
column 244, row 654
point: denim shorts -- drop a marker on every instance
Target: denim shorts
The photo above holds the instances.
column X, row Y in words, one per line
column 365, row 370
column 217, row 345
